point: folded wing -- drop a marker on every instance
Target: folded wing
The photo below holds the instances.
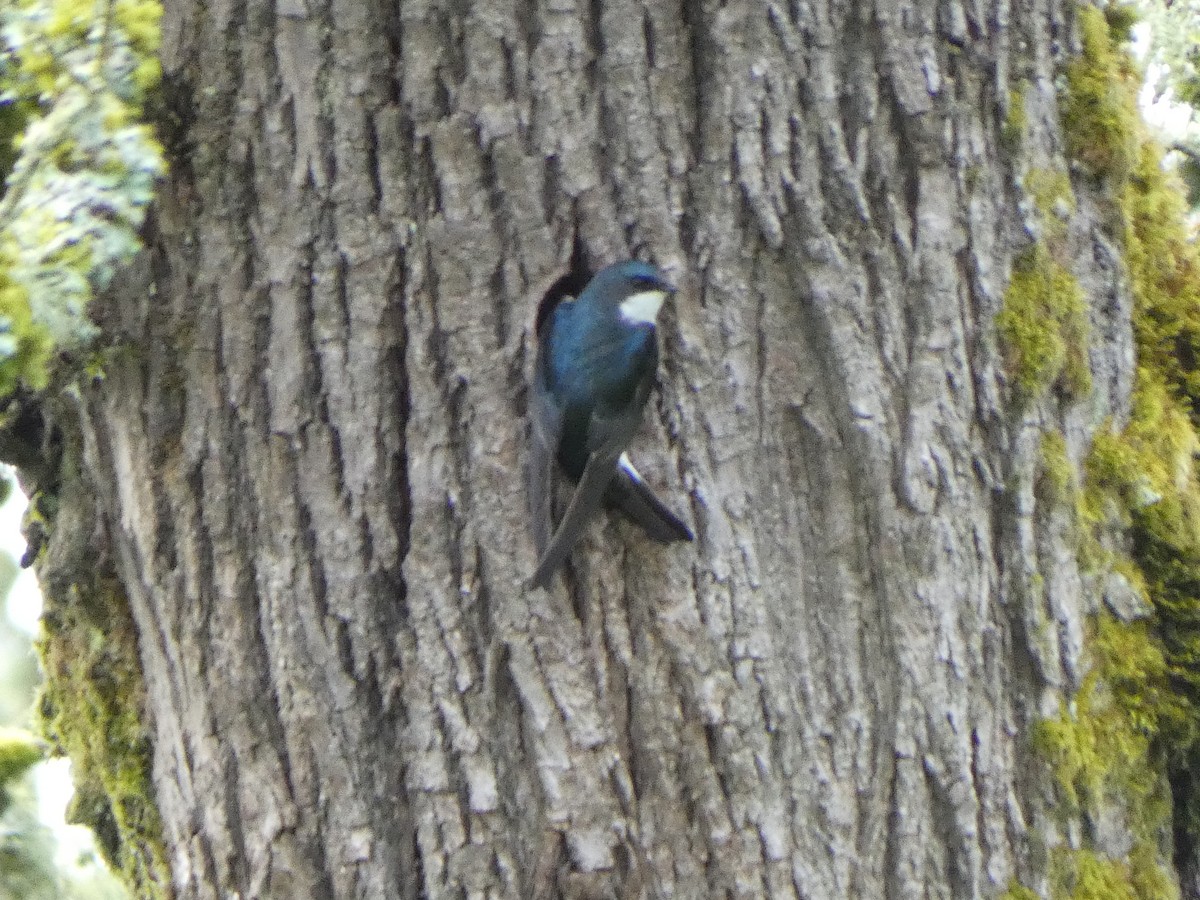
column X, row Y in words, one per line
column 629, row 493
column 609, row 433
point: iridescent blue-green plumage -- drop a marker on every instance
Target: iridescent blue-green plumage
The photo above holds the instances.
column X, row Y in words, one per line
column 597, row 360
column 594, row 365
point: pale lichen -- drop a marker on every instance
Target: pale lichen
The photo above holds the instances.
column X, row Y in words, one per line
column 85, row 171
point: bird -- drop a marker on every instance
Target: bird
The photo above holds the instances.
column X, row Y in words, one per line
column 596, row 363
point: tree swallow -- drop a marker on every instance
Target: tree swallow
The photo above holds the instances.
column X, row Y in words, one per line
column 597, row 360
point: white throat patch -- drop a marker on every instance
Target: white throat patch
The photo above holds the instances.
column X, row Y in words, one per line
column 643, row 306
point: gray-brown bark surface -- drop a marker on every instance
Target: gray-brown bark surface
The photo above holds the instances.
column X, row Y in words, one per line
column 310, row 464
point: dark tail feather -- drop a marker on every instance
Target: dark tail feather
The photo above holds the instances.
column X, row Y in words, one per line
column 597, row 475
column 632, row 496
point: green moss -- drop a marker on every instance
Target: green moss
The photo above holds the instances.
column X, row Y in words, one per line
column 1043, row 323
column 1147, row 875
column 1073, row 745
column 1017, row 891
column 1086, row 875
column 1120, row 18
column 19, row 752
column 1099, row 111
column 1149, row 470
column 1016, row 118
column 1099, row 744
column 1083, row 875
column 1106, row 746
column 25, row 346
column 1131, row 667
column 91, row 708
column 1043, row 328
column 1057, row 473
column 1156, row 476
column 1054, row 200
column 1146, row 470
column 78, row 191
column 13, row 118
column 1134, row 670
column 1136, row 718
column 1164, row 268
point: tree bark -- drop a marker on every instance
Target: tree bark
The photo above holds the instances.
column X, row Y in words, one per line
column 307, row 460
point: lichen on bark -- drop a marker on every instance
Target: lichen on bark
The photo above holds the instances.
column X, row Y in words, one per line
column 76, row 75
column 84, row 172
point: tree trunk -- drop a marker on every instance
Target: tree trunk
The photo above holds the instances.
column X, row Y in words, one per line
column 305, row 457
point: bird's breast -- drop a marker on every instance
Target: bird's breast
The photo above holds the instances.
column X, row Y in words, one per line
column 605, row 365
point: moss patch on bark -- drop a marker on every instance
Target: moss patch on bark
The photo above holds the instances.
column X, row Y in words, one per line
column 1043, row 327
column 92, row 709
column 1134, row 724
column 1099, row 111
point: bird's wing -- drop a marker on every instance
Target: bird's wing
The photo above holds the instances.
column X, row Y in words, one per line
column 609, row 433
column 629, row 493
column 547, row 431
column 584, row 502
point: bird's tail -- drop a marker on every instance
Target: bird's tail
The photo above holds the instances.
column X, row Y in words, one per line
column 629, row 493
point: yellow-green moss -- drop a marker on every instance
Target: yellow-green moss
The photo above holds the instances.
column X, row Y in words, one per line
column 1072, row 744
column 14, row 116
column 1086, row 875
column 1134, row 670
column 1043, row 323
column 1148, row 877
column 1164, row 268
column 1099, row 110
column 78, row 191
column 19, row 751
column 1057, row 473
column 1109, row 744
column 1016, row 119
column 1147, row 469
column 1043, row 328
column 1099, row 744
column 1120, row 18
column 92, row 709
column 1083, row 875
column 1137, row 714
column 1148, row 472
column 1053, row 199
column 1018, row 891
column 1158, row 476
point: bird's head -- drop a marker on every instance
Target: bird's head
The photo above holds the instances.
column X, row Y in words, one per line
column 636, row 289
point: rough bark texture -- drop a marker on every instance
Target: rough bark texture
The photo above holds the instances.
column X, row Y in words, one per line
column 309, row 462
